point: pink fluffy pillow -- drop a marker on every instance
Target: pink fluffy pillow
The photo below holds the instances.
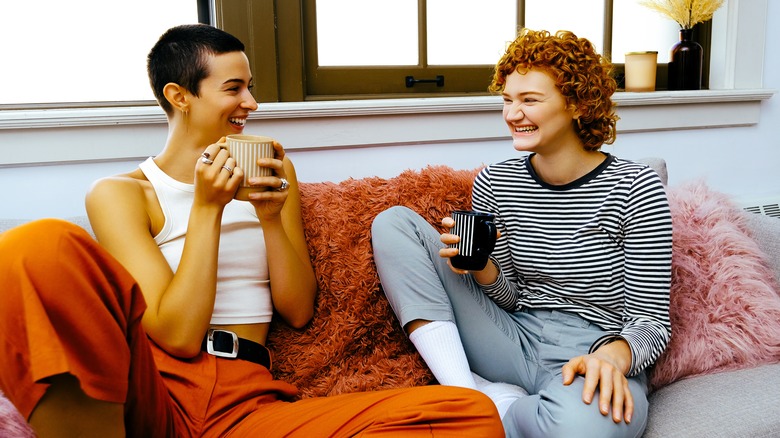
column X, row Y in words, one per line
column 12, row 423
column 725, row 309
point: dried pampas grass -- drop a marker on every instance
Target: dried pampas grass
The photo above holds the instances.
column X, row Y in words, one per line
column 687, row 13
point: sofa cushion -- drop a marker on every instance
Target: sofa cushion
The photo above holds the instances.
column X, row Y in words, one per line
column 724, row 305
column 659, row 165
column 731, row 404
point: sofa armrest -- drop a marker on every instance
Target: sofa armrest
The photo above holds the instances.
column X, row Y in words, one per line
column 766, row 232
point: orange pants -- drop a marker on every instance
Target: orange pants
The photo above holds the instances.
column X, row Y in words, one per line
column 67, row 306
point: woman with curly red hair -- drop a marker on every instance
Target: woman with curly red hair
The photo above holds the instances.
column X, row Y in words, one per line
column 572, row 306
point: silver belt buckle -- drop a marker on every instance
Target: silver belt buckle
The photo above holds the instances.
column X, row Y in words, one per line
column 210, row 344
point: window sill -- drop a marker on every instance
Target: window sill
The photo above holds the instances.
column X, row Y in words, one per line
column 136, row 132
column 672, row 103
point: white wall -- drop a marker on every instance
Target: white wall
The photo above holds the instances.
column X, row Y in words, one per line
column 739, row 160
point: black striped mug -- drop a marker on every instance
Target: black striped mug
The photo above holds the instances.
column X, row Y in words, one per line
column 477, row 232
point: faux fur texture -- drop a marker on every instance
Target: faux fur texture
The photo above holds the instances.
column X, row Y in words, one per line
column 354, row 342
column 12, row 425
column 725, row 308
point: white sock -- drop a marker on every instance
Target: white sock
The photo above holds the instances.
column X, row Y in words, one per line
column 502, row 394
column 440, row 347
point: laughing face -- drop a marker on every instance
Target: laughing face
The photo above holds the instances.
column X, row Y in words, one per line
column 225, row 99
column 536, row 113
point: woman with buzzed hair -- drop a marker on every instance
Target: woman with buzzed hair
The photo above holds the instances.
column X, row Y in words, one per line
column 159, row 330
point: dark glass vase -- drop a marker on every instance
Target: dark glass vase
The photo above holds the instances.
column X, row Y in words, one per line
column 685, row 60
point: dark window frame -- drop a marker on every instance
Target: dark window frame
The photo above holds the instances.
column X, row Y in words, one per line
column 278, row 33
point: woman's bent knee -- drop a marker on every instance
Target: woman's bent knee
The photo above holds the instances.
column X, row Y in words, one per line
column 40, row 237
column 389, row 218
column 560, row 411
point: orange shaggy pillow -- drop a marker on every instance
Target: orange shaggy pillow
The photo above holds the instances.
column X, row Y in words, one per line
column 354, row 342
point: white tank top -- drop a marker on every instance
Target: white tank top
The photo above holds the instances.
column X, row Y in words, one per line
column 243, row 283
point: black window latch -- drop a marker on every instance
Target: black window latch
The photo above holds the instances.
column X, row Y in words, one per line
column 410, row 81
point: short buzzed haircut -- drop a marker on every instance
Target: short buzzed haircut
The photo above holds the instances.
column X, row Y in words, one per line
column 180, row 56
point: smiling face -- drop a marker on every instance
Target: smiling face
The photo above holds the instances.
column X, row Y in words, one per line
column 536, row 113
column 224, row 100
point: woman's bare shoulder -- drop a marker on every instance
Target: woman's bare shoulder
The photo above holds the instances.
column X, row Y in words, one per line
column 119, row 198
column 112, row 188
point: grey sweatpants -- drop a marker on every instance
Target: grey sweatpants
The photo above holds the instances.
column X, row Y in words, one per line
column 526, row 348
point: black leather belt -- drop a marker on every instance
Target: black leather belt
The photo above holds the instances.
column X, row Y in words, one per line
column 224, row 343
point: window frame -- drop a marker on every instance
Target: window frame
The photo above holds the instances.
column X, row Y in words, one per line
column 292, row 74
column 281, row 75
column 736, row 85
column 331, row 83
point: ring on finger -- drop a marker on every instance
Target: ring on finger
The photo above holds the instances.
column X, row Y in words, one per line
column 229, row 169
column 284, row 185
column 205, row 160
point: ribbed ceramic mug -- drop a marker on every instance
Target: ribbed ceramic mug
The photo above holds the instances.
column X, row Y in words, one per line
column 477, row 232
column 246, row 149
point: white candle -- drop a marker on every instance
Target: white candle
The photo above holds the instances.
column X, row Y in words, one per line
column 640, row 71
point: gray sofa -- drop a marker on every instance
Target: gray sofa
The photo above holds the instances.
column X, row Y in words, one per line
column 742, row 403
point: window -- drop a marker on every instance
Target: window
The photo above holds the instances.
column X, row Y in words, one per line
column 93, row 52
column 411, row 47
column 337, row 49
column 78, row 51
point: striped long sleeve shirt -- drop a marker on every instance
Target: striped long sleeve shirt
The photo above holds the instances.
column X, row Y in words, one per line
column 600, row 247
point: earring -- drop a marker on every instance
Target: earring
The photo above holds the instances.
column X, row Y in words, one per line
column 185, row 116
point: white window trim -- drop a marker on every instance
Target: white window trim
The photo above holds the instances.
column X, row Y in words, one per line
column 739, row 30
column 664, row 107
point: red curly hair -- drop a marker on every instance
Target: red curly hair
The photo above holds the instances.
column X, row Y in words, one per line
column 582, row 75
